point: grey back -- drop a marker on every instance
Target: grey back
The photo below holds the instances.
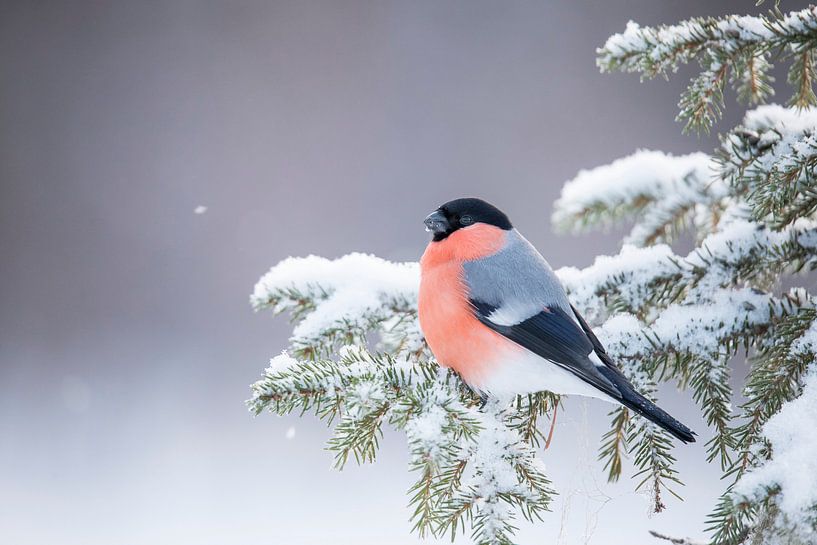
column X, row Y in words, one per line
column 516, row 278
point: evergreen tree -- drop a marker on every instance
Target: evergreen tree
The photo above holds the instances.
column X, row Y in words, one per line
column 358, row 360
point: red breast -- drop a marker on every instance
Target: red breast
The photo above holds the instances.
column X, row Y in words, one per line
column 457, row 339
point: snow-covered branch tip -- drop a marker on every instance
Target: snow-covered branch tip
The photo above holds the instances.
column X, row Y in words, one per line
column 662, row 190
column 787, row 470
column 771, row 158
column 736, row 50
column 338, row 302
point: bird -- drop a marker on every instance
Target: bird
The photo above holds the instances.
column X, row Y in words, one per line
column 491, row 308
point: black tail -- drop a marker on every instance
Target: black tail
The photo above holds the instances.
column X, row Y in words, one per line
column 649, row 410
column 629, row 397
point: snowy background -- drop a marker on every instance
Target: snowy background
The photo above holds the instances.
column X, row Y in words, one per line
column 155, row 160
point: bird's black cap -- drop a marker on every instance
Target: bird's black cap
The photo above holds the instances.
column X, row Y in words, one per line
column 460, row 213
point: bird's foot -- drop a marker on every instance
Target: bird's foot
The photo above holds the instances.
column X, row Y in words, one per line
column 483, row 400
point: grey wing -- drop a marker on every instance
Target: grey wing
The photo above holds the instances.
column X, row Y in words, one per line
column 516, row 293
column 517, row 281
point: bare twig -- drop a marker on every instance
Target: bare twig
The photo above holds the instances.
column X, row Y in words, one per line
column 676, row 540
column 552, row 426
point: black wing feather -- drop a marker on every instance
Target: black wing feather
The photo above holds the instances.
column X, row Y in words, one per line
column 629, row 396
column 557, row 337
column 553, row 335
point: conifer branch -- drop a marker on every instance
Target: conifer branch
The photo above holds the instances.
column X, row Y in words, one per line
column 742, row 45
column 357, row 358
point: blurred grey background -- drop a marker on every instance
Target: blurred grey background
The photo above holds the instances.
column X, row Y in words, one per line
column 126, row 340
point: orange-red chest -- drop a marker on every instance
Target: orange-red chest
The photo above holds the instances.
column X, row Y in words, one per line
column 455, row 336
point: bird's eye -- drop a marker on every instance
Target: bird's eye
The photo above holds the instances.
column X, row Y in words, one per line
column 466, row 220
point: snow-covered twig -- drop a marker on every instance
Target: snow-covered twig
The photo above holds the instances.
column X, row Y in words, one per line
column 733, row 49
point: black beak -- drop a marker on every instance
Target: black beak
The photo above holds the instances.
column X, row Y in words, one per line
column 437, row 223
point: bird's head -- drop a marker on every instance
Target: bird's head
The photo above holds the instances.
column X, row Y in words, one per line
column 463, row 213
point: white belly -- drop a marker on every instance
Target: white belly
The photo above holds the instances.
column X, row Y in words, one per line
column 523, row 372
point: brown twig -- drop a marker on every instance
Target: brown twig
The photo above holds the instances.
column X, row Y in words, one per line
column 676, row 540
column 552, row 425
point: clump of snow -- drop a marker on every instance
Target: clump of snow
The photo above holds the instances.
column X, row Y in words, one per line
column 402, row 334
column 799, row 22
column 747, row 27
column 792, row 468
column 279, row 367
column 348, row 293
column 733, row 241
column 739, row 241
column 642, row 181
column 622, row 335
column 352, row 272
column 806, row 344
column 428, row 426
column 426, row 431
column 290, row 433
column 808, row 239
column 632, row 39
column 645, row 172
column 773, row 138
column 629, row 273
column 700, row 328
column 281, row 362
column 493, row 457
column 200, row 209
column 791, row 120
column 662, row 48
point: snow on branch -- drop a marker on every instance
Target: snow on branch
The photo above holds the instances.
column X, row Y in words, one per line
column 772, row 157
column 733, row 247
column 337, row 302
column 659, row 50
column 788, row 477
column 733, row 49
column 661, row 190
column 623, row 282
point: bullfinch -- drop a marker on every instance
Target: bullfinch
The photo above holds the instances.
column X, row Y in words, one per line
column 491, row 308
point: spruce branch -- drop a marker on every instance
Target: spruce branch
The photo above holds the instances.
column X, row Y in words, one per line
column 771, row 159
column 711, row 390
column 751, row 79
column 733, row 48
column 614, row 445
column 801, row 77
